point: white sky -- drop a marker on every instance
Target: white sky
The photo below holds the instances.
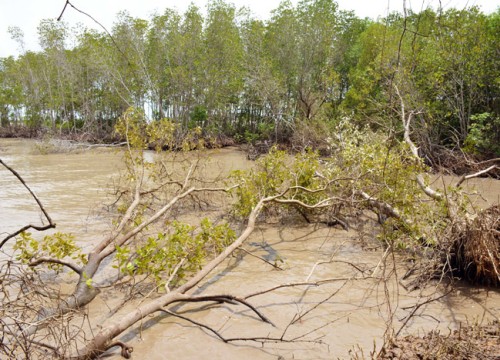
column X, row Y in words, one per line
column 26, row 14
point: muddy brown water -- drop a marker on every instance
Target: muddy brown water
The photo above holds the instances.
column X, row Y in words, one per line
column 338, row 318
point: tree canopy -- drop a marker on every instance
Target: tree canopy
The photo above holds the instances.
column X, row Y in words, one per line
column 249, row 79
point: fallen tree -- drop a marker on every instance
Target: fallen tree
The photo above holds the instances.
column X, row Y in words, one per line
column 152, row 256
column 148, row 252
column 469, row 242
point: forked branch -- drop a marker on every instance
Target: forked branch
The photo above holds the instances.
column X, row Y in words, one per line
column 50, row 225
column 406, row 120
column 230, row 299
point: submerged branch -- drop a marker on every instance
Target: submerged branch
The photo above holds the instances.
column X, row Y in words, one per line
column 231, row 299
column 305, row 283
column 203, row 326
column 261, row 258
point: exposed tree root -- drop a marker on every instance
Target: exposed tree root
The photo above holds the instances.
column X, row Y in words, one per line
column 469, row 250
column 469, row 342
column 475, row 252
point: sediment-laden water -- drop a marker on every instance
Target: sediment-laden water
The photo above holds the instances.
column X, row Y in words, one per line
column 349, row 313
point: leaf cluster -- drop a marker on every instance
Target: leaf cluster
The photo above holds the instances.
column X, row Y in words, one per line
column 380, row 166
column 56, row 246
column 274, row 174
column 169, row 256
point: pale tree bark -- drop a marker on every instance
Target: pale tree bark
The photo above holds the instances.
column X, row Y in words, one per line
column 406, row 119
column 103, row 338
column 127, row 232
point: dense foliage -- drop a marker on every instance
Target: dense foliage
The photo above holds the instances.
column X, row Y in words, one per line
column 367, row 166
column 229, row 73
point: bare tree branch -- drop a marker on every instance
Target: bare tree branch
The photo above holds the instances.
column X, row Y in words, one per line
column 259, row 339
column 97, row 22
column 305, row 283
column 260, row 258
column 50, row 225
column 406, row 120
column 418, row 306
column 43, row 260
column 479, row 173
column 203, row 326
column 126, row 350
column 231, row 299
column 315, row 306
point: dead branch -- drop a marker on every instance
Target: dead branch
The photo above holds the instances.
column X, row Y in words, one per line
column 305, row 283
column 203, row 326
column 34, row 342
column 63, row 10
column 50, row 225
column 44, row 260
column 230, row 299
column 301, row 316
column 382, row 206
column 97, row 22
column 477, row 174
column 259, row 339
column 269, row 339
column 260, row 258
column 495, row 160
column 406, row 120
column 126, row 350
column 418, row 306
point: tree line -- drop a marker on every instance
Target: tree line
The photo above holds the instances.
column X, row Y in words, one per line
column 232, row 75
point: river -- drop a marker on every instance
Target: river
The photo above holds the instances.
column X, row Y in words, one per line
column 345, row 316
